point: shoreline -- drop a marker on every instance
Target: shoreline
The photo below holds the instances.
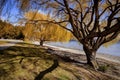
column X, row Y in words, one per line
column 108, row 57
column 104, row 56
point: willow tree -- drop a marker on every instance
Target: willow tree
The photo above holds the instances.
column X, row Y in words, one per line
column 92, row 22
column 28, row 32
column 44, row 31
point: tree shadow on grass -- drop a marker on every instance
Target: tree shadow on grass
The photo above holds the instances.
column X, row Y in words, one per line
column 43, row 73
column 21, row 50
column 19, row 53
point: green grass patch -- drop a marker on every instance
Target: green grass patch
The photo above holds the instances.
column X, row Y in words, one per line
column 103, row 68
column 64, row 77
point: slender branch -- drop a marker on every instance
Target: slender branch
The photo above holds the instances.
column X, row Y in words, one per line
column 88, row 10
column 71, row 19
column 105, row 10
column 96, row 23
column 91, row 20
column 42, row 3
column 60, row 3
column 52, row 21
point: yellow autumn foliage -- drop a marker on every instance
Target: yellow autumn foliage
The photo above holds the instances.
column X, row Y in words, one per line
column 43, row 30
column 28, row 31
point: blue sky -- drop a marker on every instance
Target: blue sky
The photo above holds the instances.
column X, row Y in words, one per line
column 10, row 12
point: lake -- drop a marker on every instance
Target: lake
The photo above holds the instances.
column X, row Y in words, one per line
column 112, row 50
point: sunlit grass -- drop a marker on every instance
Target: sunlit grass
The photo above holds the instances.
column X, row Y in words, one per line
column 25, row 61
column 3, row 42
column 35, row 60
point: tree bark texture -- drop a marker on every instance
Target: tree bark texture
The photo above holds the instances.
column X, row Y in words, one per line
column 41, row 42
column 91, row 57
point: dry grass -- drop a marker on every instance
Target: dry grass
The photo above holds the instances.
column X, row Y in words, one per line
column 3, row 42
column 25, row 61
column 35, row 60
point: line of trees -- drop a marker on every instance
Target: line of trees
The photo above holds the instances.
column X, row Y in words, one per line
column 8, row 31
column 40, row 31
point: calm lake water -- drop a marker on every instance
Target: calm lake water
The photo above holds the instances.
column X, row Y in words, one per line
column 112, row 50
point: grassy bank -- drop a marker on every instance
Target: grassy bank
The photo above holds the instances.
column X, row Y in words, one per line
column 3, row 42
column 26, row 61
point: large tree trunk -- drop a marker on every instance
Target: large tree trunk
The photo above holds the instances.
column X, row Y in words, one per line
column 41, row 42
column 91, row 57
